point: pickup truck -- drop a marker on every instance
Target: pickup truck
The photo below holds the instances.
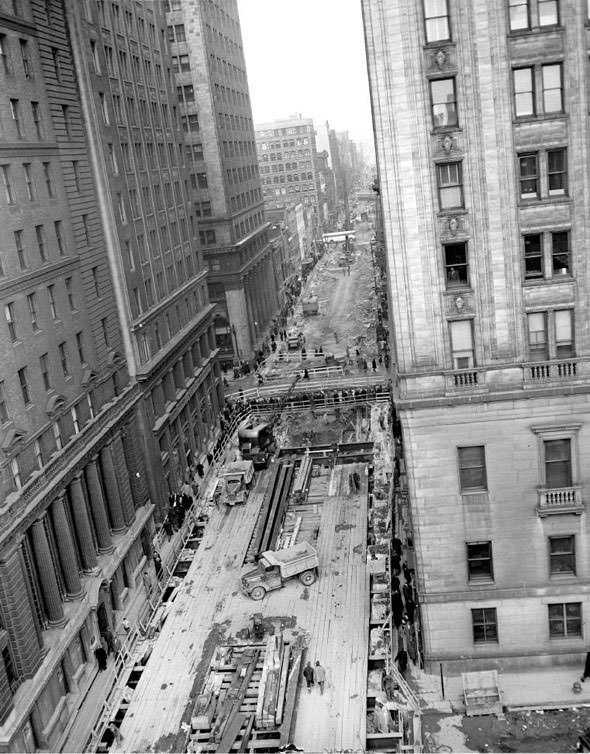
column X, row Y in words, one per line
column 236, row 477
column 274, row 567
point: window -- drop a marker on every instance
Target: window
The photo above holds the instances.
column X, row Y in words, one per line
column 40, row 234
column 29, row 181
column 70, row 294
column 80, row 347
column 20, row 249
column 202, row 180
column 105, row 331
column 4, row 58
column 485, row 625
column 95, row 282
column 86, row 229
column 560, row 253
column 113, row 159
column 48, row 181
column 56, row 63
column 26, row 61
column 4, row 417
column 462, row 344
column 529, row 175
column 519, row 14
column 552, row 92
column 557, row 172
column 36, row 110
column 121, row 208
column 59, row 238
column 472, row 468
column 95, row 57
column 51, row 296
column 558, row 463
column 533, row 256
column 524, row 94
column 76, row 174
column 537, row 333
column 444, row 105
column 479, row 560
column 24, row 386
column 63, row 357
column 456, row 264
column 15, row 113
column 65, row 111
column 32, row 304
column 548, row 12
column 436, row 19
column 7, row 184
column 565, row 619
column 450, row 185
column 44, row 365
column 562, row 555
column 564, row 339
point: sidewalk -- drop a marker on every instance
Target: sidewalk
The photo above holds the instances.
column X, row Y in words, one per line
column 540, row 688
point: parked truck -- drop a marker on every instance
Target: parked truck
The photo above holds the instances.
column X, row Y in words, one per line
column 237, row 478
column 310, row 305
column 273, row 568
column 295, row 339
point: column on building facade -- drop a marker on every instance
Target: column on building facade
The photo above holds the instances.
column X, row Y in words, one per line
column 46, row 573
column 136, row 464
column 112, row 489
column 66, row 550
column 98, row 507
column 200, row 430
column 18, row 617
column 122, row 471
column 240, row 319
column 82, row 525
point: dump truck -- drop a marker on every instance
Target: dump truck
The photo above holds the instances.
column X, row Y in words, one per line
column 310, row 305
column 237, row 477
column 256, row 443
column 273, row 568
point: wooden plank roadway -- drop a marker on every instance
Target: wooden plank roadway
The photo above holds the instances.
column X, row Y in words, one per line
column 210, row 608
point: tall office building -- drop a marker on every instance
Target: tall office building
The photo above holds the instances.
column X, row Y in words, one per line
column 107, row 381
column 287, row 156
column 482, row 134
column 212, row 85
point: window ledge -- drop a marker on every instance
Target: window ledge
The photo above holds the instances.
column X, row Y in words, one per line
column 534, row 30
column 461, row 288
column 534, row 202
column 483, row 581
column 446, row 130
column 555, row 280
column 436, row 44
column 540, row 117
column 451, row 212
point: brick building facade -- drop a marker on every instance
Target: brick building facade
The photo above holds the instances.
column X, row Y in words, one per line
column 107, row 382
column 482, row 133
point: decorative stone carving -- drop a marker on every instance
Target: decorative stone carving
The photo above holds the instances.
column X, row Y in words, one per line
column 440, row 58
column 459, row 303
column 453, row 225
column 447, row 143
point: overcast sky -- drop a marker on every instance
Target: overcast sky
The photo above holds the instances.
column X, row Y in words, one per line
column 308, row 57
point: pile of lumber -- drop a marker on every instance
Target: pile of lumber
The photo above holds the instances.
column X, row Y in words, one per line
column 247, row 699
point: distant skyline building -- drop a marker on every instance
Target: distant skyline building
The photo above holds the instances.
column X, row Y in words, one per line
column 212, row 85
column 482, row 134
column 109, row 385
column 287, row 156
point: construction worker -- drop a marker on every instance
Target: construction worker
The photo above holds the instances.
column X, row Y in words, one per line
column 319, row 676
column 309, row 677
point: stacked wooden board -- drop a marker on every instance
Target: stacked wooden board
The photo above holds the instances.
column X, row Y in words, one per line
column 248, row 698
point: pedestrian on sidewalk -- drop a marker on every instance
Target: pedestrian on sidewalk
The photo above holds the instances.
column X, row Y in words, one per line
column 104, row 643
column 110, row 640
column 112, row 734
column 402, row 661
column 586, row 673
column 319, row 676
column 200, row 470
column 374, row 365
column 126, row 625
column 308, row 675
column 101, row 657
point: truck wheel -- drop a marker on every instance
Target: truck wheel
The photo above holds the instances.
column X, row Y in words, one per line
column 258, row 593
column 307, row 578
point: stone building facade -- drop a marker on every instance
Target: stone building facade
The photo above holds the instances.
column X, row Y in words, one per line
column 481, row 123
column 212, row 85
column 90, row 409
